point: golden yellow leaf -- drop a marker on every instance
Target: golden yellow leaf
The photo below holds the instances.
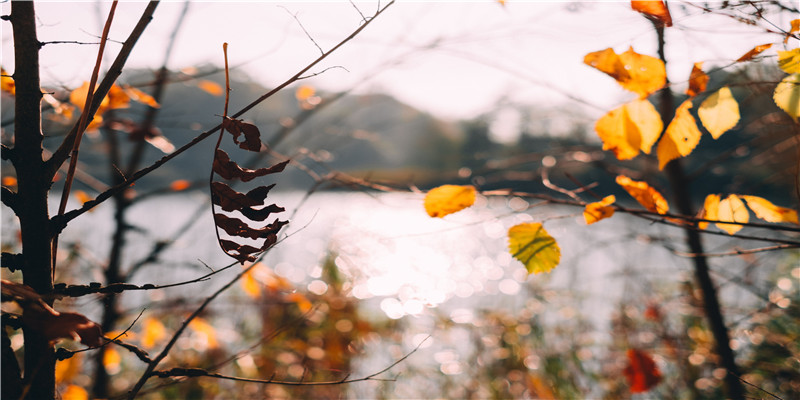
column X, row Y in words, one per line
column 681, row 137
column 447, row 199
column 789, row 60
column 710, row 210
column 304, row 92
column 250, row 285
column 67, row 369
column 769, row 212
column 653, row 9
column 211, row 87
column 202, row 327
column 732, row 209
column 648, row 197
column 111, row 358
column 638, row 73
column 152, row 332
column 7, row 83
column 697, row 80
column 179, row 185
column 74, row 392
column 754, row 52
column 719, row 112
column 630, row 128
column 117, row 98
column 534, row 247
column 599, row 210
column 141, row 97
column 787, row 95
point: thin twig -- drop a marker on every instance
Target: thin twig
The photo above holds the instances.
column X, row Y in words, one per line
column 304, row 29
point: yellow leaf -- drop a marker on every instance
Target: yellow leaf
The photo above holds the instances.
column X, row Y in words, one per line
column 628, row 129
column 73, row 392
column 202, row 327
column 141, row 97
column 599, row 210
column 656, row 10
column 710, row 210
column 681, row 137
column 7, row 83
column 304, row 92
column 769, row 212
column 719, row 112
column 152, row 332
column 447, row 199
column 67, row 369
column 211, row 87
column 648, row 197
column 534, row 247
column 732, row 209
column 789, row 60
column 250, row 285
column 638, row 73
column 787, row 95
column 697, row 80
column 754, row 52
column 111, row 359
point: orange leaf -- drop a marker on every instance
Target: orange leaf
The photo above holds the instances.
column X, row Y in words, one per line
column 795, row 27
column 697, row 80
column 211, row 87
column 7, row 83
column 82, row 196
column 117, row 98
column 732, row 209
column 769, row 212
column 638, row 73
column 447, row 199
column 648, row 197
column 754, row 52
column 152, row 331
column 599, row 210
column 69, row 368
column 202, row 327
column 111, row 359
column 655, row 10
column 710, row 210
column 78, row 98
column 304, row 92
column 642, row 372
column 73, row 392
column 141, row 97
column 681, row 137
column 302, row 302
column 250, row 285
column 9, row 181
column 608, row 61
column 180, row 184
column 628, row 129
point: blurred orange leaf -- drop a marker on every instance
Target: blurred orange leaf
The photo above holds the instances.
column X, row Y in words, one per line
column 795, row 27
column 754, row 52
column 787, row 95
column 180, row 184
column 789, row 60
column 628, row 129
column 697, row 80
column 642, row 372
column 599, row 210
column 67, row 369
column 141, row 97
column 648, row 197
column 732, row 209
column 304, row 92
column 719, row 112
column 447, row 199
column 7, row 83
column 152, row 332
column 534, row 247
column 211, row 87
column 764, row 209
column 638, row 73
column 9, row 181
column 250, row 285
column 74, row 392
column 710, row 210
column 655, row 10
column 681, row 137
column 78, row 98
column 117, row 98
column 300, row 300
column 202, row 327
column 111, row 358
column 82, row 196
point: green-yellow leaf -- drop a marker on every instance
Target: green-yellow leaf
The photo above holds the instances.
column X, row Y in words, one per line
column 681, row 137
column 789, row 60
column 628, row 129
column 534, row 247
column 769, row 212
column 787, row 95
column 719, row 112
column 447, row 199
column 732, row 209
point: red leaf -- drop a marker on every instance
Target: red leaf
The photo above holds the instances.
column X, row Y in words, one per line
column 642, row 372
column 228, row 169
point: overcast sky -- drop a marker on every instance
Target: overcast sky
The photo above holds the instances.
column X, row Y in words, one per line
column 453, row 59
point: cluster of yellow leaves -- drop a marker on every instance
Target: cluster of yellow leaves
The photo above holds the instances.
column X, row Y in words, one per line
column 732, row 209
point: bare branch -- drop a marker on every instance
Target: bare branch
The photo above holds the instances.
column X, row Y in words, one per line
column 304, row 29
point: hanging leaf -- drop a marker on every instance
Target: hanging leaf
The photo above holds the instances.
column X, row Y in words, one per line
column 534, row 247
column 648, row 197
column 787, row 95
column 252, row 136
column 754, row 52
column 681, row 137
column 153, row 331
column 732, row 209
column 764, row 209
column 697, row 80
column 710, row 210
column 210, row 87
column 642, row 372
column 638, row 73
column 628, row 129
column 599, row 210
column 789, row 60
column 228, row 169
column 719, row 112
column 653, row 10
column 7, row 83
column 447, row 199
